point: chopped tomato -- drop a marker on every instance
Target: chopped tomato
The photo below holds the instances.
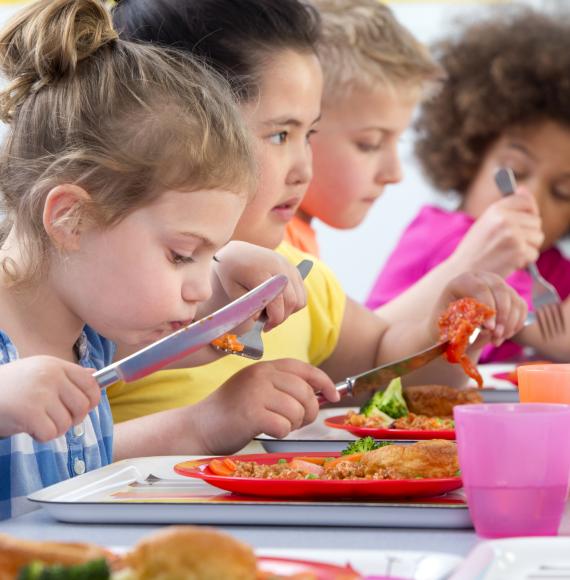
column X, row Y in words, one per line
column 306, row 466
column 456, row 324
column 222, row 466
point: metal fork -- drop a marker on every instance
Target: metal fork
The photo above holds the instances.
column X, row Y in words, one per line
column 251, row 340
column 545, row 297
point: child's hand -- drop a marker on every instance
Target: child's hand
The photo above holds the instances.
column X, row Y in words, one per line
column 492, row 290
column 270, row 397
column 45, row 396
column 244, row 266
column 506, row 237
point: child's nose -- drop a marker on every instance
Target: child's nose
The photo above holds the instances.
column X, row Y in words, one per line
column 197, row 288
column 390, row 169
column 302, row 169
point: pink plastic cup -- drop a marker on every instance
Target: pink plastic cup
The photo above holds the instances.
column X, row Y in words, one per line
column 547, row 383
column 515, row 465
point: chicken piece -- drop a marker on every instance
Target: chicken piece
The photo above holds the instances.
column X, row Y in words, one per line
column 16, row 553
column 201, row 553
column 438, row 400
column 425, row 459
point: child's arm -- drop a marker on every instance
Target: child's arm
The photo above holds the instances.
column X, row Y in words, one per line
column 367, row 341
column 269, row 397
column 45, row 396
column 505, row 238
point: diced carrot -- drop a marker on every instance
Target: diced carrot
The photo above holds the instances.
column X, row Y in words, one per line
column 306, row 467
column 219, row 467
column 342, row 458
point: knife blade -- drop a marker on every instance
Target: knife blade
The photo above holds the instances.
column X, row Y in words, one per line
column 372, row 380
column 192, row 337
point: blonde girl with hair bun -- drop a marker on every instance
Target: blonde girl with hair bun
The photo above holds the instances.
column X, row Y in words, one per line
column 113, row 189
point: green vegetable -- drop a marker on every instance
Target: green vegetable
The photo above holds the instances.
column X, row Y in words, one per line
column 363, row 445
column 94, row 570
column 281, row 460
column 389, row 403
column 311, row 476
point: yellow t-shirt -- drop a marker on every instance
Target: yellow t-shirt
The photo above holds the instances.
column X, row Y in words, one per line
column 309, row 335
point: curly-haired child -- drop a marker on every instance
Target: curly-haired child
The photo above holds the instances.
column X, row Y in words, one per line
column 506, row 102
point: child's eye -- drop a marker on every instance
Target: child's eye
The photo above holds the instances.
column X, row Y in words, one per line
column 310, row 134
column 369, row 147
column 278, row 138
column 177, row 258
column 562, row 195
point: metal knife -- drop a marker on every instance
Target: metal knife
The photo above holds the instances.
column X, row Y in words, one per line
column 192, row 337
column 372, row 380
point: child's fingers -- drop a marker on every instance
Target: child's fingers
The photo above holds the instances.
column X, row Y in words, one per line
column 60, row 416
column 84, row 380
column 288, row 402
column 43, row 429
column 318, row 380
column 76, row 402
column 274, row 424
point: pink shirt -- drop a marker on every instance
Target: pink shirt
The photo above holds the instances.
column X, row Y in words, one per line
column 429, row 240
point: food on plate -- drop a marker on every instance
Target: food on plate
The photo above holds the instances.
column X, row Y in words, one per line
column 363, row 445
column 425, row 459
column 174, row 553
column 16, row 553
column 228, row 342
column 435, row 458
column 457, row 324
column 438, row 400
column 421, row 408
column 202, row 553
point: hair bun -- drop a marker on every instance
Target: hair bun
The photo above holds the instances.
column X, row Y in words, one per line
column 46, row 41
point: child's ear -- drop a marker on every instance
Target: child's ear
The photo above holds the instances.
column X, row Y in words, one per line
column 62, row 215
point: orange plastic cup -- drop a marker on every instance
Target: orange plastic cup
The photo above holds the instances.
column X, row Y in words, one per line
column 549, row 383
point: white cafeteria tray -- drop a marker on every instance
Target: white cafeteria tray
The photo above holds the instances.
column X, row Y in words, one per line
column 520, row 558
column 118, row 493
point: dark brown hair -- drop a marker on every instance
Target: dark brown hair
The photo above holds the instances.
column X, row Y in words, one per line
column 509, row 69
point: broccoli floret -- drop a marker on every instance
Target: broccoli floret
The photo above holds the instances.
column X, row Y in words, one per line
column 389, row 402
column 363, row 445
column 94, row 570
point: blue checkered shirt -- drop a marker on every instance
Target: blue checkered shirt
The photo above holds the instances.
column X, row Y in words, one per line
column 26, row 465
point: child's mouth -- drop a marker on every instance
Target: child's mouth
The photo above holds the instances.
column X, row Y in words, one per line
column 178, row 324
column 286, row 210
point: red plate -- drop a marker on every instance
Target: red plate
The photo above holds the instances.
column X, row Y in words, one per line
column 337, row 422
column 286, row 567
column 314, row 488
column 506, row 377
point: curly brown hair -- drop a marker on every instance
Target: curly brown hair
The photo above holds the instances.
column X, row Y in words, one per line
column 509, row 69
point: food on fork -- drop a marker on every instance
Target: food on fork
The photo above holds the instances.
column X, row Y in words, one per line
column 438, row 400
column 228, row 342
column 457, row 324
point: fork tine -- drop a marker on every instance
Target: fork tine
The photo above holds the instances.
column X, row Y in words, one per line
column 543, row 325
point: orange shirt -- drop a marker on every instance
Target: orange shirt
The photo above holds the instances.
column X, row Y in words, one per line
column 302, row 236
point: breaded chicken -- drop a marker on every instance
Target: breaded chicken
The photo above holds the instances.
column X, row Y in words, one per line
column 201, row 553
column 438, row 400
column 425, row 459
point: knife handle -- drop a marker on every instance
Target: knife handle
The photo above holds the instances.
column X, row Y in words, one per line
column 344, row 388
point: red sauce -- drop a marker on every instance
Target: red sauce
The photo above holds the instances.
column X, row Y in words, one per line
column 456, row 324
